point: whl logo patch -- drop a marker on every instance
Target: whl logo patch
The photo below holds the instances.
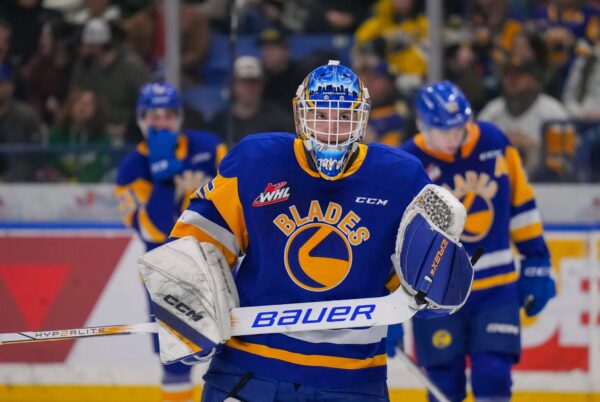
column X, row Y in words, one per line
column 273, row 193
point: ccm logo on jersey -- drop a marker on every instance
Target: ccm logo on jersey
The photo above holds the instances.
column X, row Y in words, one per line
column 370, row 201
column 307, row 316
column 273, row 193
column 182, row 307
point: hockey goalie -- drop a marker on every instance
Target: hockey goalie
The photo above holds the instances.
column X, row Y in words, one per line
column 316, row 217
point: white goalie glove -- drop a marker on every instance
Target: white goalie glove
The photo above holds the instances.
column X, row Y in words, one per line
column 430, row 261
column 192, row 292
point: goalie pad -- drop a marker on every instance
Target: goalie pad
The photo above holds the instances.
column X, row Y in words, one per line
column 430, row 261
column 192, row 292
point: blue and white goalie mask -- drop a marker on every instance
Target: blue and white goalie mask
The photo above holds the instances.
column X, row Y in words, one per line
column 331, row 111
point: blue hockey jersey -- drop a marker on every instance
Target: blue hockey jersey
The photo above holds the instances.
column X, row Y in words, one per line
column 152, row 208
column 486, row 174
column 306, row 239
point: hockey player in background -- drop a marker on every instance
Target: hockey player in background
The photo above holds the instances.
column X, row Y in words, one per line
column 479, row 165
column 316, row 217
column 155, row 181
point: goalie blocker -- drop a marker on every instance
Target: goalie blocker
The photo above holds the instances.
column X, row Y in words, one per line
column 193, row 291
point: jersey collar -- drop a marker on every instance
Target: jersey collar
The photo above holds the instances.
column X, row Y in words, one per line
column 301, row 157
column 466, row 149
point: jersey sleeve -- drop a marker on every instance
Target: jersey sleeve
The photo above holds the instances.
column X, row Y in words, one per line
column 526, row 230
column 215, row 214
column 147, row 207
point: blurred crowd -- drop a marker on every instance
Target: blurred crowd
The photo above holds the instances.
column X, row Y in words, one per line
column 70, row 72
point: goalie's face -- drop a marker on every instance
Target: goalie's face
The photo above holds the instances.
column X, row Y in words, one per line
column 332, row 126
column 446, row 142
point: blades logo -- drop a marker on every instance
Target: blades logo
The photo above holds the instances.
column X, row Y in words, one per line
column 272, row 194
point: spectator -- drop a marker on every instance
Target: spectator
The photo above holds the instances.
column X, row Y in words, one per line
column 568, row 27
column 460, row 68
column 250, row 113
column 96, row 9
column 388, row 110
column 145, row 32
column 18, row 125
column 46, row 74
column 522, row 111
column 281, row 72
column 28, row 17
column 582, row 89
column 529, row 46
column 112, row 72
column 259, row 15
column 398, row 31
column 81, row 123
column 338, row 16
column 493, row 25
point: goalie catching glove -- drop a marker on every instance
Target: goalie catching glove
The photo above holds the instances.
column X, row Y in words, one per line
column 192, row 292
column 430, row 261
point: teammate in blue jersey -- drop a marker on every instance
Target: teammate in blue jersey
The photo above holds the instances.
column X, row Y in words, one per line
column 479, row 165
column 315, row 216
column 155, row 181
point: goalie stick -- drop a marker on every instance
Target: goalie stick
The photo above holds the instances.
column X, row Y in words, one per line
column 280, row 318
column 335, row 314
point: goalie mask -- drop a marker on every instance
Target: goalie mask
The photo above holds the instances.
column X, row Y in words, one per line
column 331, row 110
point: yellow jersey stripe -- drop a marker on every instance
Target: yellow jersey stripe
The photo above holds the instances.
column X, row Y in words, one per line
column 217, row 232
column 183, row 229
column 307, row 360
column 526, row 233
column 181, row 151
column 193, row 347
column 140, row 189
column 148, row 231
column 226, row 199
column 496, row 280
column 393, row 283
column 220, row 154
column 522, row 191
column 470, row 141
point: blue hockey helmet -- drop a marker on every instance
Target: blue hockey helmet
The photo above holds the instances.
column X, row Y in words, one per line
column 331, row 110
column 443, row 106
column 157, row 95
